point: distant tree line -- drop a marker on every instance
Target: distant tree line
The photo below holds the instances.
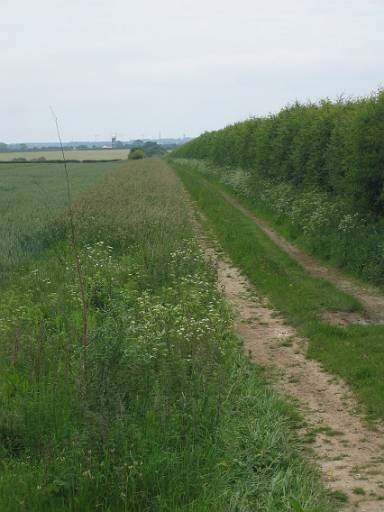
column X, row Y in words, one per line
column 146, row 149
column 150, row 146
column 335, row 147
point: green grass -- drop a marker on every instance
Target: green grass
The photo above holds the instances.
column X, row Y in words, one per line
column 161, row 411
column 359, row 491
column 356, row 352
column 31, row 196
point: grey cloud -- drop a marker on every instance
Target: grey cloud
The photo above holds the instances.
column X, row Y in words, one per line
column 178, row 66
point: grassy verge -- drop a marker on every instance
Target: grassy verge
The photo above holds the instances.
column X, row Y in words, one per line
column 356, row 352
column 159, row 410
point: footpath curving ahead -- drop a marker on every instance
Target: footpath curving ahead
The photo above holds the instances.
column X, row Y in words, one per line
column 348, row 452
column 371, row 299
column 343, row 336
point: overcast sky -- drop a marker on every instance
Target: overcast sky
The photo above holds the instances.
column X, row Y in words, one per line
column 140, row 68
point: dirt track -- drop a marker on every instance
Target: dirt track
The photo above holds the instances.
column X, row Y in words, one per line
column 350, row 455
column 370, row 298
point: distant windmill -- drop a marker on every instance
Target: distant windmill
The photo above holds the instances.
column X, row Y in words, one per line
column 114, row 138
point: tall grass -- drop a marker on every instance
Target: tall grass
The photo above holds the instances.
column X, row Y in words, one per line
column 317, row 169
column 172, row 416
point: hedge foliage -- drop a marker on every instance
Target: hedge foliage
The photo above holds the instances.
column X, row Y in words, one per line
column 334, row 147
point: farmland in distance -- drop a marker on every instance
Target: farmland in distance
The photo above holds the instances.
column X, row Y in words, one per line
column 71, row 154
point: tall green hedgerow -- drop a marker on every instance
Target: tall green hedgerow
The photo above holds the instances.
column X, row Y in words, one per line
column 333, row 146
column 330, row 156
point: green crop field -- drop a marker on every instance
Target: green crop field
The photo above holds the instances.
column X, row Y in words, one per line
column 31, row 197
column 71, row 154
